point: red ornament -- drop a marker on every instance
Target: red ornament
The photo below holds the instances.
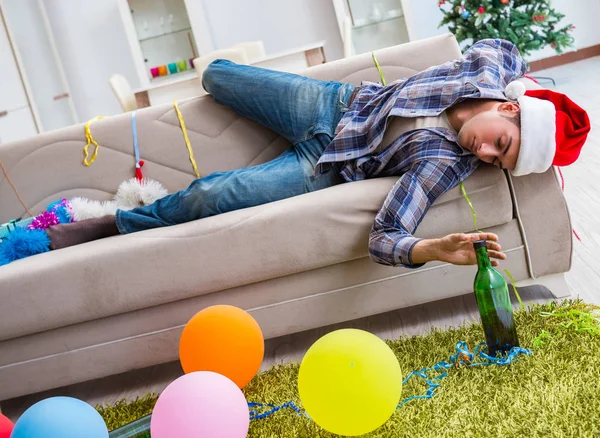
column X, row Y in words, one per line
column 481, row 10
column 504, row 2
column 441, row 2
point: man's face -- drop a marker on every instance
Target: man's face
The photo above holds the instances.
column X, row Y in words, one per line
column 492, row 136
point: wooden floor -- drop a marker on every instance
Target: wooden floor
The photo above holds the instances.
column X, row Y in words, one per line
column 580, row 82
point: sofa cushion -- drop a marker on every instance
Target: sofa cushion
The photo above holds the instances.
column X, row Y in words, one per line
column 141, row 270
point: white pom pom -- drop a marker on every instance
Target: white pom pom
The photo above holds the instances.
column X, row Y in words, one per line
column 83, row 208
column 133, row 193
column 110, row 207
column 514, row 90
column 152, row 191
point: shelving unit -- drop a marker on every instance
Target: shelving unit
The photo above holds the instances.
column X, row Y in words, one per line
column 187, row 29
column 368, row 25
column 391, row 15
column 164, row 36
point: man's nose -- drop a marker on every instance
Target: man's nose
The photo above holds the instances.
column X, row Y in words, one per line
column 488, row 150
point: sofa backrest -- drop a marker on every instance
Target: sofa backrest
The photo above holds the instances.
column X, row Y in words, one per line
column 50, row 165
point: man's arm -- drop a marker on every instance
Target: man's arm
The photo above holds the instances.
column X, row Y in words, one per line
column 391, row 241
column 456, row 249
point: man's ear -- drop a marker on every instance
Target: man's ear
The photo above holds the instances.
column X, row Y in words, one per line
column 509, row 108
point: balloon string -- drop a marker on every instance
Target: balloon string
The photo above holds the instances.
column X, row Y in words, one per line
column 15, row 190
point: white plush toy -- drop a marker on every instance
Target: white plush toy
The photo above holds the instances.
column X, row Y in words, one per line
column 131, row 194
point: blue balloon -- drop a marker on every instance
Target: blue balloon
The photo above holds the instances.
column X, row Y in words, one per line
column 60, row 417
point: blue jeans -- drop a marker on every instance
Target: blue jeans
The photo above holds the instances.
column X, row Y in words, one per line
column 305, row 111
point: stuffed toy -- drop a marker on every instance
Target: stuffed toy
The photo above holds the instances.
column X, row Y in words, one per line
column 21, row 239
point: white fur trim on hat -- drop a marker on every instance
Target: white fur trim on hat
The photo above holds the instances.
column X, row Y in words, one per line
column 538, row 136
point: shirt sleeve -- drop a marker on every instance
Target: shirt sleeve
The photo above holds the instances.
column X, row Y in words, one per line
column 391, row 241
column 497, row 61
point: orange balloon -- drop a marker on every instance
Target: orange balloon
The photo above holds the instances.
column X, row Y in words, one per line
column 225, row 340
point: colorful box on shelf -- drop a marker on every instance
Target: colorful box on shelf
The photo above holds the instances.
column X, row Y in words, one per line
column 182, row 65
column 172, row 68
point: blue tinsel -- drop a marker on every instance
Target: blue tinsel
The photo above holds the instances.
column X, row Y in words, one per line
column 21, row 243
column 463, row 356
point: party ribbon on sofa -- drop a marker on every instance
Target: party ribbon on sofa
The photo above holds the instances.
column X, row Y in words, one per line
column 186, row 138
column 136, row 149
column 87, row 160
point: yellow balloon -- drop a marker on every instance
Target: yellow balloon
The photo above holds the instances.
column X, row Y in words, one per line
column 350, row 382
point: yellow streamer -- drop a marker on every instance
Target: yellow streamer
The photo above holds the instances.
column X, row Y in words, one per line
column 186, row 138
column 379, row 69
column 464, row 193
column 512, row 279
column 90, row 141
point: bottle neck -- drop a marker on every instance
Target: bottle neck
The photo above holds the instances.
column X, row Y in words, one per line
column 483, row 259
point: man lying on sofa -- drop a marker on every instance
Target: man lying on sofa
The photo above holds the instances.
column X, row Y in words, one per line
column 431, row 130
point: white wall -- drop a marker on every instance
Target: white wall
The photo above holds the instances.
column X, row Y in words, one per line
column 281, row 24
column 92, row 45
column 583, row 14
column 423, row 18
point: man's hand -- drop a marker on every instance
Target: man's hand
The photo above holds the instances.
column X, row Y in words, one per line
column 456, row 249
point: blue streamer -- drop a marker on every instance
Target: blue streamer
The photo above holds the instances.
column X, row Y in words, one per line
column 136, row 148
column 463, row 356
column 255, row 415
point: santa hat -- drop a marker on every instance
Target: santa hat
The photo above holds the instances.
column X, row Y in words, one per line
column 553, row 129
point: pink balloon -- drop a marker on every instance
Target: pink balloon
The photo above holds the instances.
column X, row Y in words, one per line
column 201, row 404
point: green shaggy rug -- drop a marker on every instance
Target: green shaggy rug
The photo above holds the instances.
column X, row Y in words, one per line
column 552, row 393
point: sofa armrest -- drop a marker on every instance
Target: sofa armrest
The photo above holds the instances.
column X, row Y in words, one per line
column 542, row 211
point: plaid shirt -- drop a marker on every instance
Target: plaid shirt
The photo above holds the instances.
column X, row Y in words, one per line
column 428, row 161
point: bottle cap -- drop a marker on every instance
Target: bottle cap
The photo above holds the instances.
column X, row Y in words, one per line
column 479, row 244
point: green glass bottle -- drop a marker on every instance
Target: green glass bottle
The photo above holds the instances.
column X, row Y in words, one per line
column 491, row 292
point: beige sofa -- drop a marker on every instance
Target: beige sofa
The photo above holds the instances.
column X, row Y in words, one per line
column 120, row 304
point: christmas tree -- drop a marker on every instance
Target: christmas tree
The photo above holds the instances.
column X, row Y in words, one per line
column 529, row 24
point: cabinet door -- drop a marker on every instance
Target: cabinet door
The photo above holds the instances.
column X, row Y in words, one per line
column 15, row 125
column 12, row 93
column 45, row 82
